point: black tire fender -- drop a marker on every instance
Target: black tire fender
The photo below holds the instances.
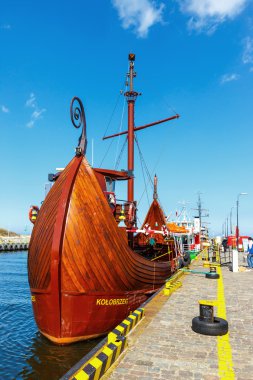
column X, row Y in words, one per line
column 180, row 263
column 186, row 259
column 218, row 327
column 212, row 275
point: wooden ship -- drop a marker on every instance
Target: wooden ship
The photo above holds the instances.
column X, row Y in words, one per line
column 87, row 272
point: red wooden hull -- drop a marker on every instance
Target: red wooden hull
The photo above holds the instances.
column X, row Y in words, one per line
column 83, row 276
column 84, row 316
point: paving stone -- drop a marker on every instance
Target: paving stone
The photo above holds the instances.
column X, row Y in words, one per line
column 165, row 347
column 143, row 362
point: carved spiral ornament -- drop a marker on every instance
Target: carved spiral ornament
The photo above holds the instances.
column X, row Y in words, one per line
column 76, row 112
column 78, row 119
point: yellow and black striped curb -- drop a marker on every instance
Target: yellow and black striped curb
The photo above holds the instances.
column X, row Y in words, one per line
column 99, row 363
column 171, row 287
column 127, row 325
column 173, row 284
column 96, row 367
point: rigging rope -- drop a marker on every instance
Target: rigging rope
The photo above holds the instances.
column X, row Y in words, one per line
column 170, row 107
column 120, row 154
column 164, row 144
column 106, row 153
column 120, row 93
column 120, row 129
column 114, row 109
column 138, row 220
column 148, row 175
column 142, row 160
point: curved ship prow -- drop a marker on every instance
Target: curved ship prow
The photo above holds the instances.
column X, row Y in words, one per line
column 86, row 271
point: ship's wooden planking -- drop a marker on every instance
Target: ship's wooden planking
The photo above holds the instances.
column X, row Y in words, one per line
column 78, row 256
column 109, row 265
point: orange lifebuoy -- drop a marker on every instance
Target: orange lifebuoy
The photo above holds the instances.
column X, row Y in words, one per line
column 33, row 213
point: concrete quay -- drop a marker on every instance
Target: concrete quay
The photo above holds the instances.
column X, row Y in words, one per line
column 164, row 346
column 14, row 243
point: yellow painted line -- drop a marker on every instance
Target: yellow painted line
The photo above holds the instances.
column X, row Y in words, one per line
column 226, row 371
column 208, row 302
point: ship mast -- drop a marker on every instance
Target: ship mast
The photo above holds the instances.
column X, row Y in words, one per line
column 155, row 194
column 131, row 97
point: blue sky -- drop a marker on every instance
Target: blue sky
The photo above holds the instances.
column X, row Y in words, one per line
column 194, row 57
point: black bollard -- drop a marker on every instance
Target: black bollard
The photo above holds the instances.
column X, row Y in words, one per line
column 212, row 274
column 206, row 313
column 207, row 323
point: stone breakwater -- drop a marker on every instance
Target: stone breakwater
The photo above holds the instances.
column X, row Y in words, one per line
column 17, row 243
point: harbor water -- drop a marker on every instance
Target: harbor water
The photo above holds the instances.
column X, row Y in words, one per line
column 24, row 352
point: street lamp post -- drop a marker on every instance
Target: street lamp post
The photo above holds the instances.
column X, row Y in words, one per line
column 231, row 225
column 237, row 219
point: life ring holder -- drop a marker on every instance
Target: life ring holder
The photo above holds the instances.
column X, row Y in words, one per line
column 33, row 213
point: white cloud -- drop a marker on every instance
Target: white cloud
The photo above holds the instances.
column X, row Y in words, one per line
column 247, row 56
column 36, row 114
column 4, row 109
column 251, row 69
column 30, row 124
column 139, row 14
column 229, row 78
column 208, row 14
column 31, row 101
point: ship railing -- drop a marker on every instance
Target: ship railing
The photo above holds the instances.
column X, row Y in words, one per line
column 187, row 247
column 122, row 209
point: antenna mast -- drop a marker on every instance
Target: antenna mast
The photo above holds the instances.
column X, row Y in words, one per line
column 200, row 211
